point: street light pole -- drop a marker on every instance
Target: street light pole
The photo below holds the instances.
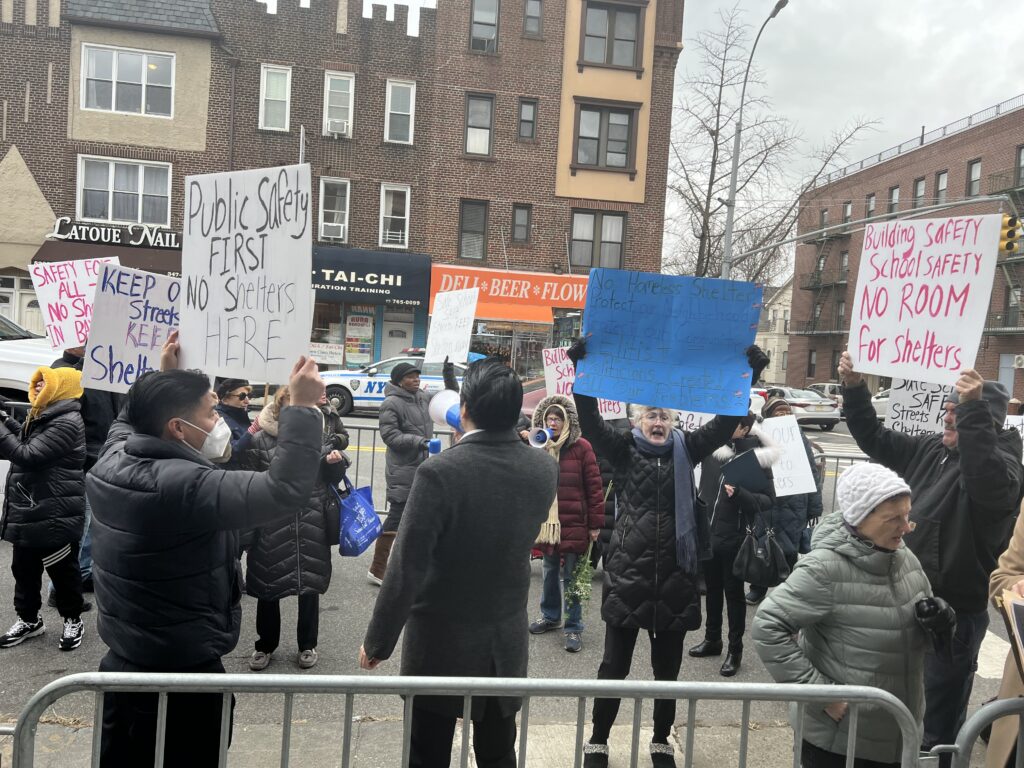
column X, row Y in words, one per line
column 730, row 204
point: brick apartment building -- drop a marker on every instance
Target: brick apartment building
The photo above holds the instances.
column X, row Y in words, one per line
column 977, row 156
column 445, row 137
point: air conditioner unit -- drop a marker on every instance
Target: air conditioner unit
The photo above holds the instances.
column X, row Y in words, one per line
column 1018, row 361
column 334, row 231
column 337, row 128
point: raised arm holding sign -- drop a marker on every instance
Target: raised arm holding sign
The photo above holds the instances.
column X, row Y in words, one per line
column 451, row 325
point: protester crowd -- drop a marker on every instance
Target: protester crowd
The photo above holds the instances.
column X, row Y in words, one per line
column 153, row 498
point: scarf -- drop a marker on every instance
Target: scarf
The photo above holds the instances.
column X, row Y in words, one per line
column 551, row 529
column 58, row 384
column 686, row 522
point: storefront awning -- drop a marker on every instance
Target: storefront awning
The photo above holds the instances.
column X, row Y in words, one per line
column 521, row 313
column 163, row 261
column 512, row 295
column 355, row 275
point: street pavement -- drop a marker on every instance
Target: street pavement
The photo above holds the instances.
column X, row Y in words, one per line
column 65, row 735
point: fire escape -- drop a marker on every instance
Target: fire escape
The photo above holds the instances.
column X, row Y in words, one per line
column 1009, row 319
column 827, row 282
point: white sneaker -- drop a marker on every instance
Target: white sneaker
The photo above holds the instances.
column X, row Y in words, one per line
column 22, row 631
column 308, row 659
column 373, row 579
column 71, row 637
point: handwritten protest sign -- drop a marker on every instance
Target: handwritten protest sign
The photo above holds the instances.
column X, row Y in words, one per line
column 65, row 290
column 690, row 421
column 1016, row 422
column 246, row 263
column 922, row 294
column 559, row 375
column 792, row 473
column 451, row 326
column 668, row 341
column 133, row 314
column 916, row 407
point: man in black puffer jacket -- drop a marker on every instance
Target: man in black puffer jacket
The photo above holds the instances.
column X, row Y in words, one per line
column 966, row 486
column 165, row 547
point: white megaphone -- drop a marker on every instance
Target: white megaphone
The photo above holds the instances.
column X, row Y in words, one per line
column 444, row 409
column 539, row 437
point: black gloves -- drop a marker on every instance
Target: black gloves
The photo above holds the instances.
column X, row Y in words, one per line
column 938, row 620
column 448, row 375
column 758, row 361
column 577, row 351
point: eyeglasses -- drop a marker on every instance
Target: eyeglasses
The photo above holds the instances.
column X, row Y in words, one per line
column 656, row 416
column 240, row 395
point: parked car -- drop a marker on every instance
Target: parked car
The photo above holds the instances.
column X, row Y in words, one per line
column 364, row 388
column 881, row 404
column 832, row 391
column 809, row 406
column 21, row 352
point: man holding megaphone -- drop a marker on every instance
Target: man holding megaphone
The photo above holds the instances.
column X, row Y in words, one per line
column 406, row 429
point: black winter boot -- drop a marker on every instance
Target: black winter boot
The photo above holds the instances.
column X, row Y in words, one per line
column 706, row 648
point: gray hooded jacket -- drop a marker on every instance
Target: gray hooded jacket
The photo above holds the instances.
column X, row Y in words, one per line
column 405, row 428
column 853, row 606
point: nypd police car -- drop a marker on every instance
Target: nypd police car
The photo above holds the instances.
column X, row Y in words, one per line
column 365, row 388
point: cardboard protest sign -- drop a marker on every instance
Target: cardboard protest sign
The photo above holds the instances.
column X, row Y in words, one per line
column 923, row 291
column 559, row 376
column 792, row 473
column 916, row 407
column 451, row 326
column 246, row 262
column 133, row 314
column 65, row 290
column 669, row 341
column 1016, row 422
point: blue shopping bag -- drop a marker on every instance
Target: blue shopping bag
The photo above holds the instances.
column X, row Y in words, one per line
column 360, row 525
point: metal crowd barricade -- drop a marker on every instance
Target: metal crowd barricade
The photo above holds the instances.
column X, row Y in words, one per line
column 290, row 686
column 976, row 723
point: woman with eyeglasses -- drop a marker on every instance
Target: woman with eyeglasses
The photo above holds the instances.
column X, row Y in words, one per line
column 653, row 559
column 233, row 406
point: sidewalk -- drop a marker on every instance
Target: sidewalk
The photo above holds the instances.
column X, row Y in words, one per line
column 377, row 744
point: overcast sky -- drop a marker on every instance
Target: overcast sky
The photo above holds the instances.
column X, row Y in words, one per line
column 906, row 63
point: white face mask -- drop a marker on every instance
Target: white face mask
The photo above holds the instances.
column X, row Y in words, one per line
column 217, row 440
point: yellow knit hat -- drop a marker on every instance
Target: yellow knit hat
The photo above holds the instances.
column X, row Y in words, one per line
column 58, row 384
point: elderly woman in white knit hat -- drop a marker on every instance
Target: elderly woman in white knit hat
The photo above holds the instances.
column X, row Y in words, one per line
column 857, row 610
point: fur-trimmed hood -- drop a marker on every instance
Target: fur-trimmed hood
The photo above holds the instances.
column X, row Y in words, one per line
column 572, row 419
column 268, row 421
column 767, row 454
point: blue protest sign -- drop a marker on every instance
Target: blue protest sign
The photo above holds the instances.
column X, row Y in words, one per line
column 673, row 342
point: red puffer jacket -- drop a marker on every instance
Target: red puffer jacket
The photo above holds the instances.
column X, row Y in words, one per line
column 580, row 493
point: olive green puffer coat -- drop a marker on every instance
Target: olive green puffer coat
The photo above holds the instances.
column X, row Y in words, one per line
column 853, row 606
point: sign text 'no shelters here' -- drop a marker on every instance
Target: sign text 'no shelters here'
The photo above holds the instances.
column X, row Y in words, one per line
column 923, row 291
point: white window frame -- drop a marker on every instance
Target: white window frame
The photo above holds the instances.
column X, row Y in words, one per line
column 80, row 178
column 350, row 76
column 83, row 78
column 264, row 68
column 348, row 202
column 384, row 189
column 412, row 111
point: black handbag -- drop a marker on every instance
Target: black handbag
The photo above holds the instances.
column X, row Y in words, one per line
column 761, row 561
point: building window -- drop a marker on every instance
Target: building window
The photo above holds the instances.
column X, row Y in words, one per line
column 533, row 24
column 121, row 190
column 840, row 319
column 334, row 209
column 339, row 97
column 597, row 239
column 834, row 366
column 400, row 111
column 612, row 35
column 844, row 262
column 822, row 257
column 479, row 119
column 1020, row 166
column 823, row 218
column 483, row 35
column 275, row 97
column 817, row 311
column 847, row 212
column 941, row 181
column 869, row 206
column 527, row 119
column 785, row 359
column 473, row 229
column 394, row 215
column 974, row 178
column 605, row 136
column 812, row 363
column 894, row 199
column 129, row 81
column 918, row 200
column 521, row 215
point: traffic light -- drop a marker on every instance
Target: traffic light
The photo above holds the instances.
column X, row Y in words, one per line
column 1009, row 234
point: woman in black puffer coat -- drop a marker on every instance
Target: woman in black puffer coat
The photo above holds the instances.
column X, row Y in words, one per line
column 44, row 503
column 294, row 557
column 651, row 567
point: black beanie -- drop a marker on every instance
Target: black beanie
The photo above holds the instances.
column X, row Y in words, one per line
column 402, row 370
column 225, row 386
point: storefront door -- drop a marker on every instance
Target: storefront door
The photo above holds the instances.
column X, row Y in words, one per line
column 396, row 337
column 30, row 316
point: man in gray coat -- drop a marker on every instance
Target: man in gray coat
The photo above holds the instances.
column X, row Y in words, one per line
column 406, row 429
column 460, row 574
